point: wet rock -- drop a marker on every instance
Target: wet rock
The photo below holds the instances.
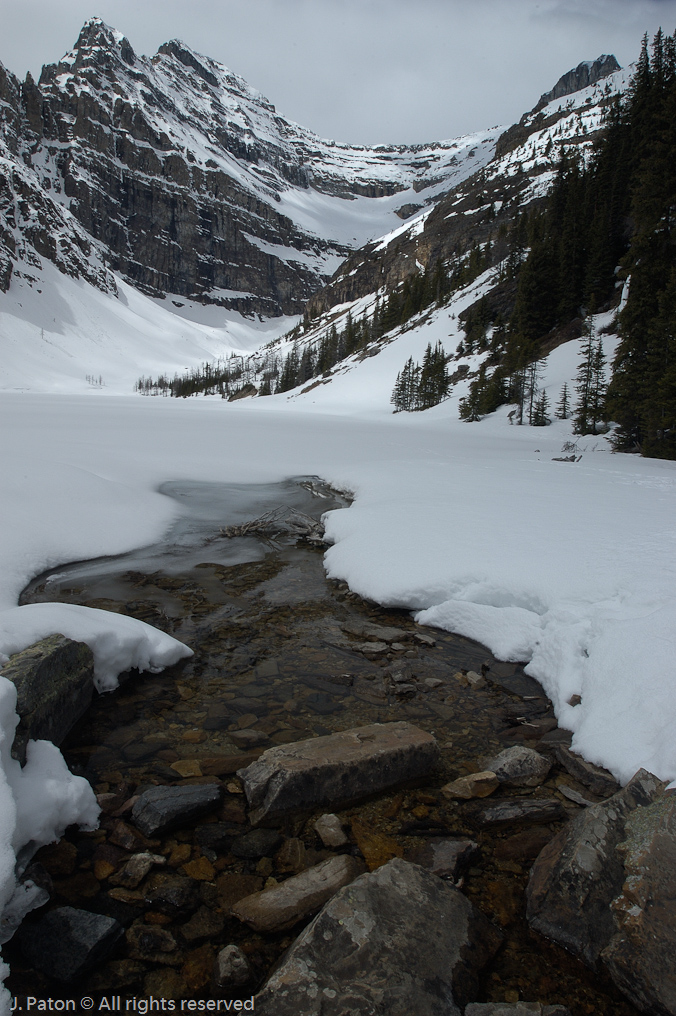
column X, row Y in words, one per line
column 165, row 983
column 136, row 869
column 474, row 785
column 524, row 845
column 257, row 843
column 232, row 887
column 291, row 857
column 215, row 836
column 200, row 868
column 475, row 680
column 117, row 974
column 370, row 950
column 514, row 1009
column 203, row 924
column 286, row 904
column 520, row 767
column 330, row 831
column 231, row 969
column 54, row 680
column 172, row 894
column 58, row 859
column 640, row 955
column 150, row 942
column 162, row 809
column 599, row 781
column 198, row 967
column 374, row 632
column 66, row 942
column 447, row 858
column 521, row 809
column 248, row 738
column 339, row 767
column 580, row 872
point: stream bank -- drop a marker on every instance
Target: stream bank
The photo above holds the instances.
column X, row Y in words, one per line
column 283, row 654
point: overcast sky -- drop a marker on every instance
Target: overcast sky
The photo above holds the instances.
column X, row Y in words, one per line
column 365, row 71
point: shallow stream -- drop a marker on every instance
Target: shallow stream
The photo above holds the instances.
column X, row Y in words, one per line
column 273, row 663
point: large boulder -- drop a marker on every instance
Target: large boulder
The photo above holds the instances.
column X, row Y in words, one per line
column 395, row 941
column 66, row 942
column 54, row 680
column 337, row 768
column 604, row 888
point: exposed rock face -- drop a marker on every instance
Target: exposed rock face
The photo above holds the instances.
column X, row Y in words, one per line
column 370, row 951
column 179, row 172
column 586, row 73
column 336, row 768
column 54, row 685
column 604, row 888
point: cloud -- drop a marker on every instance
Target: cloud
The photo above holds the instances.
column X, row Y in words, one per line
column 365, row 71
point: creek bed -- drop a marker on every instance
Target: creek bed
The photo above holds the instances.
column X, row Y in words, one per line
column 274, row 664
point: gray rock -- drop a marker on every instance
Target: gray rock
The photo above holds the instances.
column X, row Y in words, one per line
column 66, row 942
column 337, row 768
column 580, row 872
column 205, row 923
column 520, row 767
column 574, row 795
column 397, row 940
column 231, row 969
column 599, row 781
column 447, row 858
column 585, row 74
column 171, row 894
column 298, row 897
column 640, row 955
column 330, row 831
column 149, row 942
column 54, row 681
column 521, row 810
column 161, row 809
column 257, row 843
column 514, row 1009
column 376, row 632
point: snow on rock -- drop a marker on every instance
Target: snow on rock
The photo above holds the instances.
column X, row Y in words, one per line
column 119, row 643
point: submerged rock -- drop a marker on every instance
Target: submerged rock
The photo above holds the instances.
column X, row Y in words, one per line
column 161, row 809
column 474, row 785
column 286, row 904
column 522, row 810
column 515, row 1009
column 395, row 941
column 231, row 969
column 66, row 942
column 447, row 858
column 336, row 768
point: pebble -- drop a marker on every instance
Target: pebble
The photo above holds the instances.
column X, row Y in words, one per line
column 330, row 831
column 231, row 969
column 476, row 785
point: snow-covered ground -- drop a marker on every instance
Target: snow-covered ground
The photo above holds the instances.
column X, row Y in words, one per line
column 477, row 527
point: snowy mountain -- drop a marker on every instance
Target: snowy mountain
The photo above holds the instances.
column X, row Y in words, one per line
column 187, row 181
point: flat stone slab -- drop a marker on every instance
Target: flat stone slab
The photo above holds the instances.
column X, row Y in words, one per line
column 66, row 942
column 520, row 809
column 54, row 680
column 298, row 897
column 337, row 768
column 398, row 941
column 161, row 809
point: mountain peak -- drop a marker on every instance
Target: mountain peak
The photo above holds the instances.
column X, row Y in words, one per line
column 586, row 73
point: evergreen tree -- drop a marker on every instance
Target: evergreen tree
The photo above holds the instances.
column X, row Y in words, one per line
column 563, row 405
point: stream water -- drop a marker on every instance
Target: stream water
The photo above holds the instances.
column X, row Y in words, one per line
column 273, row 663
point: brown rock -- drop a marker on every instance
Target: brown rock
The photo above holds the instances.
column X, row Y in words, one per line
column 299, row 896
column 198, row 966
column 378, row 848
column 187, row 767
column 201, row 869
column 58, row 858
column 232, row 888
column 339, row 767
column 148, row 942
column 165, row 984
column 475, row 785
column 525, row 845
column 291, row 857
column 136, row 869
column 205, row 923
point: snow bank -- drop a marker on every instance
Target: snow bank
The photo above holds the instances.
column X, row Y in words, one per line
column 119, row 643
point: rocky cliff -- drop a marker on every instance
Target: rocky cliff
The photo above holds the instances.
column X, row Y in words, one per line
column 186, row 181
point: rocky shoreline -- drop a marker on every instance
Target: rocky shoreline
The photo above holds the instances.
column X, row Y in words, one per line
column 253, row 874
